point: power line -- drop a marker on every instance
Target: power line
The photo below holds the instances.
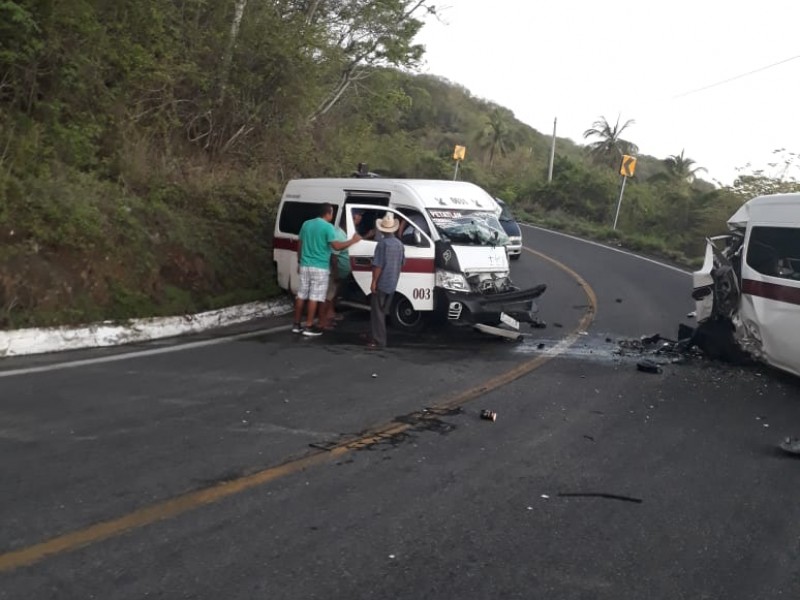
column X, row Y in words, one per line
column 735, row 77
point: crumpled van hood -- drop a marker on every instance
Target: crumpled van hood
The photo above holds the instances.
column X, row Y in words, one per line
column 482, row 259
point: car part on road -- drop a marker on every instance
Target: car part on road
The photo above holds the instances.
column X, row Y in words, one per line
column 514, row 336
column 488, row 415
column 648, row 366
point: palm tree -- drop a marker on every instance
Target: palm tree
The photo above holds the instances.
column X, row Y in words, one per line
column 681, row 167
column 497, row 136
column 609, row 147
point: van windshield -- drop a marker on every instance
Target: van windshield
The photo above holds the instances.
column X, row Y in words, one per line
column 469, row 227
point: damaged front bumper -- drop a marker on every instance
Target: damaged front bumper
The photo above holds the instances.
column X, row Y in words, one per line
column 472, row 308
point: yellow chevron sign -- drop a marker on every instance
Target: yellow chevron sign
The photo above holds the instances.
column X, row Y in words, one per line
column 628, row 165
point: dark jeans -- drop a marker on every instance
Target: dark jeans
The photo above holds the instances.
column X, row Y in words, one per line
column 380, row 302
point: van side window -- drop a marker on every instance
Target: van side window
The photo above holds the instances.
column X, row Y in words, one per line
column 775, row 251
column 294, row 214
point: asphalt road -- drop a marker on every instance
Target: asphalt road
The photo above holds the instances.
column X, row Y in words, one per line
column 197, row 473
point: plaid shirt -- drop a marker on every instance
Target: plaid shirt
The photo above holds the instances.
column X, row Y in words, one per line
column 389, row 256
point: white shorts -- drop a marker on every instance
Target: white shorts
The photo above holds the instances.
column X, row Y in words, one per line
column 313, row 284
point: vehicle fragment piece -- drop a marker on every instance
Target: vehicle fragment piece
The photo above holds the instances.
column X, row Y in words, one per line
column 648, row 366
column 488, row 415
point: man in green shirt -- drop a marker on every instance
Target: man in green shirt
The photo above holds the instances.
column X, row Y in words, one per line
column 317, row 242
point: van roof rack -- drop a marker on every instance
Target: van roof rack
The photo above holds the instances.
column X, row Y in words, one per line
column 363, row 171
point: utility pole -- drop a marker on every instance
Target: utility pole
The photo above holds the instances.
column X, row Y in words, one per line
column 552, row 152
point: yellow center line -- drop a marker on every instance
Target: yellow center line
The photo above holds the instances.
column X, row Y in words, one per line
column 178, row 505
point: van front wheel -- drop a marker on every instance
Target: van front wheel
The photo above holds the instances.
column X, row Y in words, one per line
column 404, row 316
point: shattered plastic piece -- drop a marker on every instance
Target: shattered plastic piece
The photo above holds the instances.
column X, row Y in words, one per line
column 583, row 333
column 691, row 315
column 653, row 339
column 488, row 415
column 540, row 346
column 537, row 323
column 374, row 375
column 648, row 366
column 545, row 496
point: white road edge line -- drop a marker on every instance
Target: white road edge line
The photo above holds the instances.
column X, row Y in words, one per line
column 142, row 353
column 599, row 245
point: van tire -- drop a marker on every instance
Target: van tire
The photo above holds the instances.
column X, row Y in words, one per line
column 405, row 317
column 516, row 256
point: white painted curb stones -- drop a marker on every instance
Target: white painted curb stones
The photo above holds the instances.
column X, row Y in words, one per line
column 56, row 339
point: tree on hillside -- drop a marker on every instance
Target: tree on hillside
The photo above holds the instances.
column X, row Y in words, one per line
column 609, row 145
column 682, row 168
column 496, row 137
column 360, row 35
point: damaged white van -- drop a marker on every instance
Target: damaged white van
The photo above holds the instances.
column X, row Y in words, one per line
column 456, row 268
column 748, row 289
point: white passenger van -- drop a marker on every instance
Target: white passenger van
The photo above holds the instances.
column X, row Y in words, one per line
column 749, row 284
column 456, row 266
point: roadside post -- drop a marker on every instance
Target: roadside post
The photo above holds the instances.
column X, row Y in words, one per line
column 459, row 154
column 626, row 169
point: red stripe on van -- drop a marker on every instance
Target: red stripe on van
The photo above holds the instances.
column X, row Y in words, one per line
column 411, row 265
column 772, row 291
column 279, row 243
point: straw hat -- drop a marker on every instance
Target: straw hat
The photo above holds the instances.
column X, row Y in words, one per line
column 387, row 224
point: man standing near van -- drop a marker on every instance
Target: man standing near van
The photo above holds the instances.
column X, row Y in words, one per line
column 317, row 242
column 386, row 266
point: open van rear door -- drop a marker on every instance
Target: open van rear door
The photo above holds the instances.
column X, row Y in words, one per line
column 415, row 289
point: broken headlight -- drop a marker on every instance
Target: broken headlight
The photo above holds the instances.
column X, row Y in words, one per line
column 448, row 280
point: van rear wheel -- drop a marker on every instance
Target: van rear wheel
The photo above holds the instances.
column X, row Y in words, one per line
column 404, row 317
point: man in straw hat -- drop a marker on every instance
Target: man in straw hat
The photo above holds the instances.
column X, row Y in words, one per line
column 386, row 266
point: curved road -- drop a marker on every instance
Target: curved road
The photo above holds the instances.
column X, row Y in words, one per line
column 242, row 469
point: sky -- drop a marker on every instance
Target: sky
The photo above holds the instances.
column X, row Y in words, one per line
column 578, row 60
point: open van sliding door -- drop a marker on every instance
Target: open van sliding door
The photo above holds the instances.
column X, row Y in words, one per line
column 415, row 289
column 770, row 305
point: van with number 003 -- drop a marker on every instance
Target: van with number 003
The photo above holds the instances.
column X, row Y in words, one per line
column 456, row 268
